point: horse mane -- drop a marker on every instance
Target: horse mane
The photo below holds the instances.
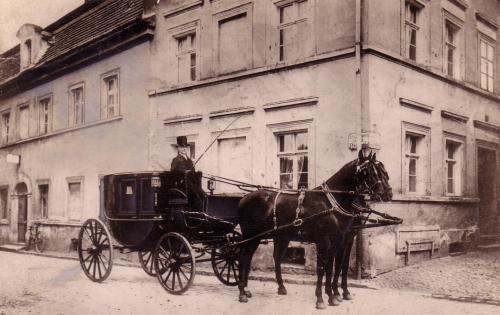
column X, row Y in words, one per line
column 344, row 178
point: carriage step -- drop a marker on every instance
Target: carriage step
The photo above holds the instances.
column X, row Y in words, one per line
column 489, row 247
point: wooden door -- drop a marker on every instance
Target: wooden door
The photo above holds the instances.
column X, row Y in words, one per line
column 486, row 159
column 22, row 221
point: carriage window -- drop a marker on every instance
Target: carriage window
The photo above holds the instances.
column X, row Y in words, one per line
column 147, row 196
column 453, row 164
column 416, row 163
column 293, row 160
column 128, row 196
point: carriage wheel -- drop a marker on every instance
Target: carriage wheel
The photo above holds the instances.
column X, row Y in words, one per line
column 226, row 265
column 95, row 250
column 146, row 261
column 174, row 263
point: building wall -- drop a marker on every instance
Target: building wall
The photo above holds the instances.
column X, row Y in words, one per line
column 97, row 147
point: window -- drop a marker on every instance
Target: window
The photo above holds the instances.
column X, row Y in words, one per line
column 4, row 208
column 43, row 202
column 487, row 57
column 75, row 197
column 44, row 115
column 411, row 29
column 292, row 30
column 293, row 160
column 416, row 162
column 451, row 49
column 5, row 127
column 233, row 161
column 234, row 44
column 28, row 49
column 76, row 105
column 186, row 58
column 23, row 121
column 110, row 103
column 453, row 167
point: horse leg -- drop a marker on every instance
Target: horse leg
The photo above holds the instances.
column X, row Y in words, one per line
column 345, row 267
column 322, row 261
column 252, row 248
column 280, row 247
column 245, row 260
column 338, row 265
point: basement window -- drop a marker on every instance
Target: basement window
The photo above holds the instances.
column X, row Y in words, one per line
column 295, row 256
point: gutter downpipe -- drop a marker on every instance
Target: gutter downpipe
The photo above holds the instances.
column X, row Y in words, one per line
column 364, row 115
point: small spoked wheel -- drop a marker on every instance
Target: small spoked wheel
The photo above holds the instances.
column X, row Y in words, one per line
column 226, row 265
column 146, row 261
column 95, row 250
column 174, row 263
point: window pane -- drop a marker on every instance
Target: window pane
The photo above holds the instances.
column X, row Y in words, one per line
column 450, row 170
column 234, row 38
column 483, row 49
column 490, row 52
column 286, row 143
column 74, row 188
column 302, row 164
column 412, row 184
column 413, row 167
column 286, row 165
column 286, row 181
column 450, row 186
column 301, row 140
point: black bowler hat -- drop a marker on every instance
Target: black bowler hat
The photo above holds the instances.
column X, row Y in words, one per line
column 182, row 141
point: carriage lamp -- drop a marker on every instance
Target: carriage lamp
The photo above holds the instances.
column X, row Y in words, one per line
column 155, row 180
column 211, row 184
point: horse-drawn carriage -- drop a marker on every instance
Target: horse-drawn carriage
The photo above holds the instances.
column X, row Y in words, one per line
column 152, row 214
column 163, row 218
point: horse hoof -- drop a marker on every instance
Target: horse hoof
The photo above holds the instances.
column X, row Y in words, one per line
column 333, row 301
column 320, row 305
column 282, row 291
column 337, row 297
column 243, row 298
column 248, row 294
column 347, row 296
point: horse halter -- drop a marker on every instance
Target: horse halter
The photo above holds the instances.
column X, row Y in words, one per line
column 365, row 171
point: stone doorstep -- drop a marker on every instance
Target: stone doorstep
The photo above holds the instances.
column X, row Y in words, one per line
column 203, row 269
column 12, row 247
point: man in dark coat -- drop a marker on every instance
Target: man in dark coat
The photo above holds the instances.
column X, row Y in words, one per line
column 182, row 163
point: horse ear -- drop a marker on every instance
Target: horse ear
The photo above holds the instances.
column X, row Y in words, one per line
column 360, row 155
column 369, row 156
column 374, row 157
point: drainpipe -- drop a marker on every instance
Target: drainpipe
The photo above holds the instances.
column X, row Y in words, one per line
column 364, row 121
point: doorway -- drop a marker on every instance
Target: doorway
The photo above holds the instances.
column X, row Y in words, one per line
column 22, row 214
column 486, row 181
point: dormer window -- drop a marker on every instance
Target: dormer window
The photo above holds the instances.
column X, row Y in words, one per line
column 27, row 47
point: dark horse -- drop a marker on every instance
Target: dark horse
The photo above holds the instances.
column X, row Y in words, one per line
column 323, row 216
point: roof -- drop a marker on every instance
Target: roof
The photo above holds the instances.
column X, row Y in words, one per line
column 86, row 24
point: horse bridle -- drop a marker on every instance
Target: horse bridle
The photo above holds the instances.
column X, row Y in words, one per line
column 362, row 187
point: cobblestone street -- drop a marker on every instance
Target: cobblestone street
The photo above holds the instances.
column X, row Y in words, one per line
column 474, row 276
column 41, row 285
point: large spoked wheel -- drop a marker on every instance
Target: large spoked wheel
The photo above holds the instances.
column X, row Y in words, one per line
column 225, row 262
column 146, row 261
column 95, row 250
column 174, row 263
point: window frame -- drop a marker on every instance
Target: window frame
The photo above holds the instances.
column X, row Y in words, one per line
column 6, row 134
column 175, row 33
column 294, row 155
column 491, row 42
column 272, row 160
column 71, row 105
column 19, row 125
column 75, row 180
column 4, row 212
column 423, row 167
column 105, row 78
column 414, row 25
column 225, row 15
column 41, row 183
column 40, row 99
column 280, row 26
column 459, row 159
column 456, row 45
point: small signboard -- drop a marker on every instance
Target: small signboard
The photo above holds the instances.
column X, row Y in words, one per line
column 14, row 159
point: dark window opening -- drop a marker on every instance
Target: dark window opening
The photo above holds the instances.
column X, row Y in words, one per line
column 295, row 256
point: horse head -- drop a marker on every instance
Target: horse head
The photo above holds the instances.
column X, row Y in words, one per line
column 372, row 178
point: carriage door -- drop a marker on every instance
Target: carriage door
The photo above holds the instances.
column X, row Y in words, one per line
column 22, row 216
column 486, row 176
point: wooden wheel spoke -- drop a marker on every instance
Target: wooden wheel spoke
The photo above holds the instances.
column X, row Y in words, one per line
column 98, row 263
column 182, row 272
column 179, row 280
column 94, row 265
column 104, row 264
column 234, row 273
column 87, row 258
